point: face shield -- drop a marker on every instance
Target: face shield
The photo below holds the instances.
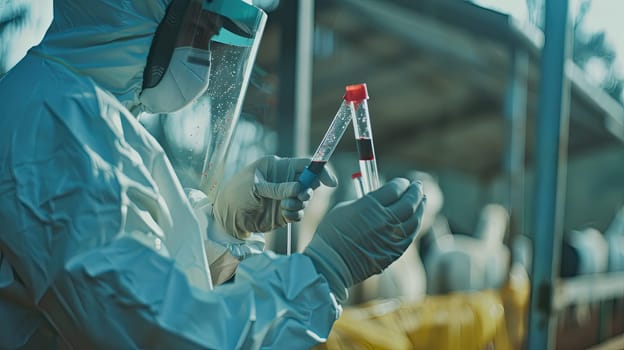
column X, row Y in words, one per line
column 179, row 64
column 197, row 137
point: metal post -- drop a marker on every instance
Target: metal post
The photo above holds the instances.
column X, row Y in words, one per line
column 515, row 116
column 605, row 319
column 303, row 71
column 296, row 18
column 550, row 158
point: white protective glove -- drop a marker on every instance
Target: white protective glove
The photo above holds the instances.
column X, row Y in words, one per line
column 265, row 195
column 361, row 238
column 223, row 251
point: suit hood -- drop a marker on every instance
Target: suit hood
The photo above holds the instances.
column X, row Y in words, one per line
column 106, row 40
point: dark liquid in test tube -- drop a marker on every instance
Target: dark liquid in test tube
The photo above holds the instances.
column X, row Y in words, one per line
column 316, row 166
column 365, row 149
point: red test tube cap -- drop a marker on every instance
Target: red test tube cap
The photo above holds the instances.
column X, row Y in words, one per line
column 356, row 92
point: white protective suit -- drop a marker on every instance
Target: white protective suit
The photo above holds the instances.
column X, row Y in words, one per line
column 99, row 247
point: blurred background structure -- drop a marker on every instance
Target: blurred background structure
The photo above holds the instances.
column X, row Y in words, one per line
column 459, row 96
column 455, row 92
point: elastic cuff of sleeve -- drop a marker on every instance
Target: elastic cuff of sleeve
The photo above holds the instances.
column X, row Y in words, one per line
column 336, row 304
column 199, row 200
column 242, row 249
column 331, row 266
column 239, row 248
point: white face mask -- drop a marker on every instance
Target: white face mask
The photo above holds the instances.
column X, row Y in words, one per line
column 185, row 79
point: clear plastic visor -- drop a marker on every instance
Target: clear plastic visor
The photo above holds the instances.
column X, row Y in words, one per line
column 198, row 26
column 196, row 138
column 232, row 22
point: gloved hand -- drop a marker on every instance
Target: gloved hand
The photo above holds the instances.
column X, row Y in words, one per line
column 265, row 195
column 361, row 238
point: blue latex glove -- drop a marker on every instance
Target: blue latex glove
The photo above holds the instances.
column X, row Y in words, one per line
column 265, row 195
column 361, row 238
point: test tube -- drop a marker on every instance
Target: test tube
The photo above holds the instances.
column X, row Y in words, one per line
column 321, row 156
column 357, row 95
column 327, row 146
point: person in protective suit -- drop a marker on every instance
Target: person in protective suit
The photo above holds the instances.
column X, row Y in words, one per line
column 99, row 245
